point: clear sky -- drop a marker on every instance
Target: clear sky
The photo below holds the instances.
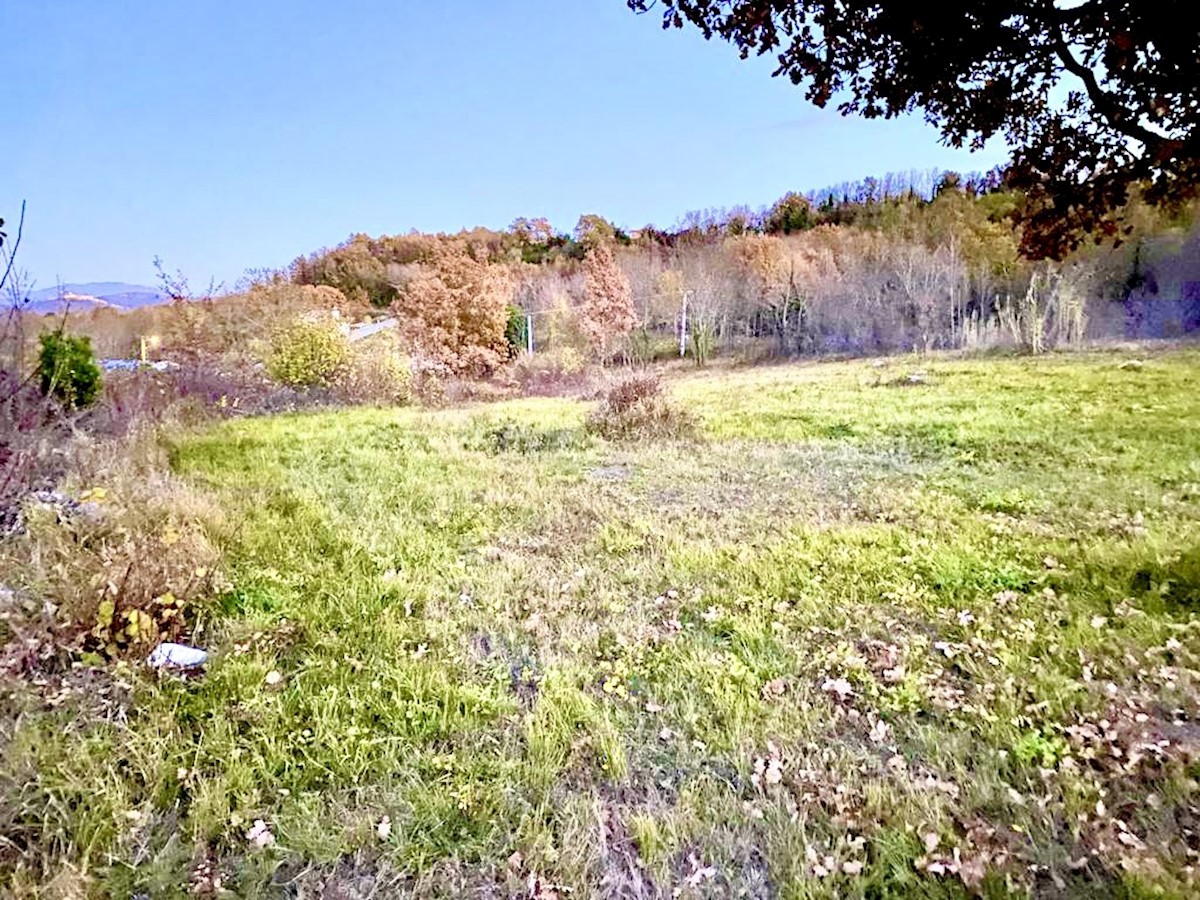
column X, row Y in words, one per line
column 223, row 135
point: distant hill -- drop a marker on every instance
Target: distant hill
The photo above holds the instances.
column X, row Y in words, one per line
column 94, row 295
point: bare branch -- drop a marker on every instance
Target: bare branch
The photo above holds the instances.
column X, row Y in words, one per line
column 11, row 253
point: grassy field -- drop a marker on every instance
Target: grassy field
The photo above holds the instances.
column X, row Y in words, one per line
column 862, row 638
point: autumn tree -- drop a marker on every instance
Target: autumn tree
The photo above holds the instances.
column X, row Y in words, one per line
column 1095, row 97
column 593, row 231
column 533, row 231
column 791, row 212
column 779, row 278
column 354, row 268
column 607, row 313
column 455, row 308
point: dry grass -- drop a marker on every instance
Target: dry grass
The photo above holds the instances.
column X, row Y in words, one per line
column 637, row 408
column 115, row 560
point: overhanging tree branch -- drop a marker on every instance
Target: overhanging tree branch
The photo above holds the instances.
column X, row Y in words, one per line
column 1074, row 162
column 1113, row 112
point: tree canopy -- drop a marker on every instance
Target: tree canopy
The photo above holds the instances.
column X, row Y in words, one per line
column 1097, row 98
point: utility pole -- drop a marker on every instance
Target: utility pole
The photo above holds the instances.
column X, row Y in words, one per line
column 683, row 325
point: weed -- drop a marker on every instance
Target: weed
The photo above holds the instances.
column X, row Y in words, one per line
column 378, row 372
column 636, row 407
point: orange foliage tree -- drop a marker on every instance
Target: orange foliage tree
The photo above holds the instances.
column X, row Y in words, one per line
column 780, row 278
column 455, row 308
column 607, row 313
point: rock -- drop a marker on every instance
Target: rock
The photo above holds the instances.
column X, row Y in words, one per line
column 177, row 656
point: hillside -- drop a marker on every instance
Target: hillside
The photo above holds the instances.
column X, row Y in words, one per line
column 94, row 295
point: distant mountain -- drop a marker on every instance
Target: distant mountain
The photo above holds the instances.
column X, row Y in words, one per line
column 94, row 295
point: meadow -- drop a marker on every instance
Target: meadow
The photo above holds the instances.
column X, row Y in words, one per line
column 912, row 627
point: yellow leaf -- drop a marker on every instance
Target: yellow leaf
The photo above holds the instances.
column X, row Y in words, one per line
column 104, row 615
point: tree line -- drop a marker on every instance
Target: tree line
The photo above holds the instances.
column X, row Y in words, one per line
column 905, row 261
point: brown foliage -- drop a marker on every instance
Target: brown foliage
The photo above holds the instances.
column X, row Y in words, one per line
column 607, row 313
column 781, row 277
column 636, row 407
column 455, row 309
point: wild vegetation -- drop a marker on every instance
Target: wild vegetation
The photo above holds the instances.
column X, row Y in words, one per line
column 918, row 627
column 909, row 261
column 547, row 616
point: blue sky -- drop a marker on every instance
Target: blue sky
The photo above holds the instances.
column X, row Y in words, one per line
column 226, row 135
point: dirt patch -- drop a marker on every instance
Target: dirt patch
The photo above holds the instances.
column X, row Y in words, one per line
column 619, row 472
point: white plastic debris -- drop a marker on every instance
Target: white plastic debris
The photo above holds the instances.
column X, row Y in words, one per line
column 177, row 656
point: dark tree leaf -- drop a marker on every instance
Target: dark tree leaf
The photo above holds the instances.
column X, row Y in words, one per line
column 979, row 69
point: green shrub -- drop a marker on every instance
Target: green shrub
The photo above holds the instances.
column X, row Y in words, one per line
column 67, row 369
column 308, row 353
column 641, row 346
column 516, row 331
column 637, row 408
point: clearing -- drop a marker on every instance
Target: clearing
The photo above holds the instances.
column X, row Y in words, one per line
column 869, row 636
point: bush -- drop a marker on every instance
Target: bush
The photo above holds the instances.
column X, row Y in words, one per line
column 308, row 353
column 516, row 332
column 378, row 372
column 645, row 347
column 67, row 370
column 636, row 407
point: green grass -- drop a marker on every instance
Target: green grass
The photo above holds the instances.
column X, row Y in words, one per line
column 555, row 663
